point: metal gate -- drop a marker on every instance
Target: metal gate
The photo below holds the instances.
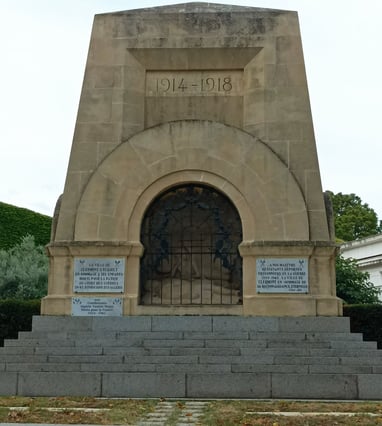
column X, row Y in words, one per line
column 191, row 235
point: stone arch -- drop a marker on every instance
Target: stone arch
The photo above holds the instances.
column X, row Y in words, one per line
column 184, row 177
column 265, row 192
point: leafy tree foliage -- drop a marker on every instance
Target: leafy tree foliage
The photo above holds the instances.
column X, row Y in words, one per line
column 353, row 219
column 23, row 271
column 353, row 285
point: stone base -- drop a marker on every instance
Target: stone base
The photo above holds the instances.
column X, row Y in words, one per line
column 259, row 305
column 320, row 301
column 292, row 305
column 191, row 357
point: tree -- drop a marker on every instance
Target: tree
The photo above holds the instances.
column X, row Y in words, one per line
column 353, row 219
column 23, row 271
column 353, row 285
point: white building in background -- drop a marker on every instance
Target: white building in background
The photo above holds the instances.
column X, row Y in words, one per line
column 368, row 254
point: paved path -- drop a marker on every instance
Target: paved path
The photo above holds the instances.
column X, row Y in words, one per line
column 184, row 413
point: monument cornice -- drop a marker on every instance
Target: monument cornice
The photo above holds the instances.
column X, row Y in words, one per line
column 95, row 248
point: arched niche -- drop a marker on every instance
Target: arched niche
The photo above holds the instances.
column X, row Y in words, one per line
column 191, row 235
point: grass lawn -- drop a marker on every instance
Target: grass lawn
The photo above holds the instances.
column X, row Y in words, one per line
column 216, row 413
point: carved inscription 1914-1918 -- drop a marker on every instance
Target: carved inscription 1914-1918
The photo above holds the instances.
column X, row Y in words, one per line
column 194, row 83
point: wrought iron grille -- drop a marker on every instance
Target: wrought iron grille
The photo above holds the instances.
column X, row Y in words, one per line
column 191, row 235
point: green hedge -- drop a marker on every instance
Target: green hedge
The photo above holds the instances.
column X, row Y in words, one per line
column 15, row 316
column 16, row 222
column 366, row 319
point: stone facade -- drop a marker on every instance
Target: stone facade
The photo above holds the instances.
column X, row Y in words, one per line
column 195, row 93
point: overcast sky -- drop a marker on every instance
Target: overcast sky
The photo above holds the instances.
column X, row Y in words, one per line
column 44, row 46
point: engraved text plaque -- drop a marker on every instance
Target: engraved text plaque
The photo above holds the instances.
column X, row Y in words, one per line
column 97, row 306
column 99, row 275
column 276, row 275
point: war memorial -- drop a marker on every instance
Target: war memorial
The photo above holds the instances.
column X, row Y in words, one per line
column 192, row 250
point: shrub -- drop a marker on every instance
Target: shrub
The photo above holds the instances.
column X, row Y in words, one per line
column 366, row 319
column 15, row 316
column 23, row 271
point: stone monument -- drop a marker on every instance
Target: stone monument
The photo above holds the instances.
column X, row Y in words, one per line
column 192, row 254
column 193, row 185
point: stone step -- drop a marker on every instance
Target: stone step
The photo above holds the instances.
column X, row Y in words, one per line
column 38, row 342
column 117, row 352
column 51, row 350
column 193, row 385
column 17, row 350
column 160, row 343
column 191, row 340
column 119, row 367
column 341, row 369
column 193, row 368
column 262, row 358
column 346, row 352
column 363, row 349
column 136, row 336
column 191, row 323
column 182, row 347
column 353, row 344
column 317, row 337
column 191, row 356
column 41, row 366
column 43, row 335
column 168, row 351
column 311, row 360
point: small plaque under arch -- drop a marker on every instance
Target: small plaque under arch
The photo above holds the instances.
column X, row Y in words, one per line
column 97, row 306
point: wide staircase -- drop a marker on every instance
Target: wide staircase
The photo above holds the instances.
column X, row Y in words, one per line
column 191, row 357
